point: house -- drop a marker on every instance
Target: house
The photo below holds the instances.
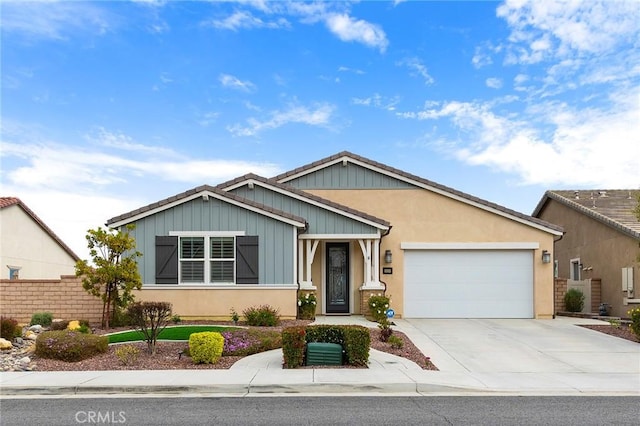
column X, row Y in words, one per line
column 29, row 249
column 602, row 237
column 345, row 227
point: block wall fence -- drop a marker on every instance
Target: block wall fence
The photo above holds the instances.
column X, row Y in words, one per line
column 560, row 289
column 64, row 298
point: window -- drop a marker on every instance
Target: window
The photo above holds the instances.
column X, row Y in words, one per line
column 222, row 259
column 192, row 259
column 575, row 270
column 212, row 258
column 14, row 272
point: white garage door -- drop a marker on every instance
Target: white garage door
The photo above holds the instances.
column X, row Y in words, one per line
column 468, row 284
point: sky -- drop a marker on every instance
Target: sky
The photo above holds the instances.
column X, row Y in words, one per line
column 109, row 106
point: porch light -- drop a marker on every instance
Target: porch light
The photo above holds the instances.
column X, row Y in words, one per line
column 546, row 256
column 387, row 256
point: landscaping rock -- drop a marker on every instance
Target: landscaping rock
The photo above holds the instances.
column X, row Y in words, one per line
column 5, row 344
column 36, row 328
column 30, row 335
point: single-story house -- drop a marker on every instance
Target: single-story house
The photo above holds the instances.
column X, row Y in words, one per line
column 344, row 227
column 602, row 240
column 29, row 249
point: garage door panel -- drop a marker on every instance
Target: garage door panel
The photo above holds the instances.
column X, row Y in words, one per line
column 468, row 284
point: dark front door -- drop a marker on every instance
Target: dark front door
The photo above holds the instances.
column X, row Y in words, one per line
column 337, row 285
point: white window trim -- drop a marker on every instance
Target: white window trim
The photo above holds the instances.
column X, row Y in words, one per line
column 207, row 255
column 571, row 263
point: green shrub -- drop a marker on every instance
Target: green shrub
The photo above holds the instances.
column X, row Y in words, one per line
column 127, row 354
column 60, row 325
column 176, row 319
column 42, row 318
column 307, row 306
column 206, row 347
column 242, row 342
column 293, row 346
column 574, row 300
column 8, row 328
column 70, row 346
column 325, row 333
column 150, row 318
column 634, row 314
column 262, row 316
column 357, row 341
column 385, row 329
column 378, row 306
column 120, row 318
column 395, row 342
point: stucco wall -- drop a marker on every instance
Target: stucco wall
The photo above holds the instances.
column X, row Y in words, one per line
column 23, row 243
column 599, row 247
column 418, row 215
column 216, row 303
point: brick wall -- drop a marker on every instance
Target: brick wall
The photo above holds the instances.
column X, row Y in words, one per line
column 64, row 298
column 560, row 289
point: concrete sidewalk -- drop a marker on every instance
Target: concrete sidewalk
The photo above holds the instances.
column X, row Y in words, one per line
column 467, row 366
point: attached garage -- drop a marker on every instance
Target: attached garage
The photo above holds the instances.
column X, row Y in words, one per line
column 468, row 283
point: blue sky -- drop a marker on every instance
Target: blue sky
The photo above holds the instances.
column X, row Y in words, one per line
column 109, row 106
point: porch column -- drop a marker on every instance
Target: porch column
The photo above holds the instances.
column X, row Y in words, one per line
column 371, row 252
column 309, row 251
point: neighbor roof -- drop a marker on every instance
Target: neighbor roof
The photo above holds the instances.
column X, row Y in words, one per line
column 613, row 207
column 419, row 182
column 14, row 201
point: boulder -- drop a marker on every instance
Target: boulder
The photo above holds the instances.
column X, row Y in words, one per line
column 30, row 335
column 36, row 328
column 5, row 344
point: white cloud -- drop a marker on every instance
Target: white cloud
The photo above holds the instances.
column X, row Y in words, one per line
column 417, row 68
column 350, row 29
column 494, row 83
column 318, row 115
column 245, row 20
column 550, row 144
column 54, row 20
column 377, row 101
column 540, row 29
column 235, row 83
column 351, row 70
column 208, row 118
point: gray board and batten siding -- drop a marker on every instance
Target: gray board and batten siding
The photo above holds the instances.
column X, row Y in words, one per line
column 275, row 237
column 351, row 176
column 320, row 220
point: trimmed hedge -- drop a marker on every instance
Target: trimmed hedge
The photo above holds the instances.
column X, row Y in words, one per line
column 70, row 346
column 355, row 340
column 206, row 347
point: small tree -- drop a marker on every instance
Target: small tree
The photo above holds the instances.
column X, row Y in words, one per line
column 150, row 318
column 114, row 273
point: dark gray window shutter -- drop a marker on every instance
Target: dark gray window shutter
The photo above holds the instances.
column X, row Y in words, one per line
column 247, row 259
column 166, row 260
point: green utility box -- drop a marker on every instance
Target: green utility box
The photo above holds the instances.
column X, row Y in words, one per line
column 324, row 353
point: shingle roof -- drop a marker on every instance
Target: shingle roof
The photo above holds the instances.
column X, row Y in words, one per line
column 613, row 207
column 11, row 201
column 178, row 197
column 284, row 177
column 304, row 194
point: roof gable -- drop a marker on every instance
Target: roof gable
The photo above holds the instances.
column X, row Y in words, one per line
column 205, row 191
column 346, row 157
column 289, row 191
column 6, row 202
column 613, row 208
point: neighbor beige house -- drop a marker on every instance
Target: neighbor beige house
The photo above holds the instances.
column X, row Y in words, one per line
column 29, row 249
column 344, row 227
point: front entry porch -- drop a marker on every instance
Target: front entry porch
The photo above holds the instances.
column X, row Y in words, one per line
column 342, row 270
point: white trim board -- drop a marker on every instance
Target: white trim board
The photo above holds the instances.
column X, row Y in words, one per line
column 472, row 246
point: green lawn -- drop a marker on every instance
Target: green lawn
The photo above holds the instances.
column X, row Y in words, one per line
column 180, row 332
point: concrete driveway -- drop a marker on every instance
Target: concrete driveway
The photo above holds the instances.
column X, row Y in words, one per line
column 521, row 346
